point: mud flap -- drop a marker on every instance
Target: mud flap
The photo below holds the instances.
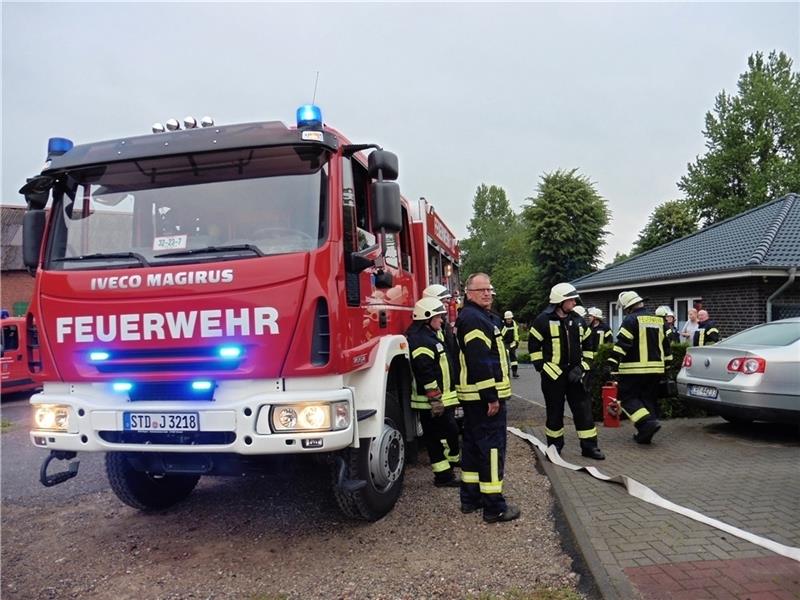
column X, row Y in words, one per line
column 56, row 478
column 347, row 485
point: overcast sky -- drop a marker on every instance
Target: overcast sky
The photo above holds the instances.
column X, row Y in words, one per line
column 464, row 93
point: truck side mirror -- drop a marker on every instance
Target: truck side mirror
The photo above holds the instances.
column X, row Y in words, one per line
column 386, row 211
column 382, row 165
column 37, row 191
column 32, row 233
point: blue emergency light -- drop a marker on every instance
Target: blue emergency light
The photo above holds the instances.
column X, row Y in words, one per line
column 98, row 356
column 122, row 386
column 57, row 146
column 229, row 351
column 200, row 386
column 309, row 115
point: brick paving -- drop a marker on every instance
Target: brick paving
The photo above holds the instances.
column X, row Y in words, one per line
column 748, row 477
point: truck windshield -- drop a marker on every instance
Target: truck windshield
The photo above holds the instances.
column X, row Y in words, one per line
column 212, row 206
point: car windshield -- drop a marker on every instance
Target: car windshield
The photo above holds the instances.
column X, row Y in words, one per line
column 190, row 208
column 771, row 334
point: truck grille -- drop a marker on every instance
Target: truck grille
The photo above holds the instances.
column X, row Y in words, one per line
column 190, row 438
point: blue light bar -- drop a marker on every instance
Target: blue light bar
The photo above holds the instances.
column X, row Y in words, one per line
column 309, row 115
column 57, row 146
column 98, row 356
column 201, row 386
column 122, row 386
column 230, row 352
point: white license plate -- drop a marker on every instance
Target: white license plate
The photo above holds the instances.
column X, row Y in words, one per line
column 702, row 391
column 160, row 421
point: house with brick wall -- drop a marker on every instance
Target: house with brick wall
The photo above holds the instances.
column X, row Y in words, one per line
column 744, row 270
column 16, row 285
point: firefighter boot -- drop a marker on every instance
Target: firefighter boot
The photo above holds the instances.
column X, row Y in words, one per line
column 514, row 373
column 509, row 514
column 646, row 432
column 589, row 449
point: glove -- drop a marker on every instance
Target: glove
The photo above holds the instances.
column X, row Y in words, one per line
column 575, row 375
column 437, row 408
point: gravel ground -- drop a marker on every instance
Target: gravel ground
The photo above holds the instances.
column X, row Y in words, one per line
column 281, row 536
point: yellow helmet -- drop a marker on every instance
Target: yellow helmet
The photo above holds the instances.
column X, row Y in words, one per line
column 563, row 291
column 427, row 308
column 629, row 298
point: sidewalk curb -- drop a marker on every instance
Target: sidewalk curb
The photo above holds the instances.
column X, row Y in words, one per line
column 616, row 588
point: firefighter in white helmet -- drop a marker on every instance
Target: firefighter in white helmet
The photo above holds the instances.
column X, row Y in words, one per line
column 670, row 331
column 559, row 352
column 510, row 333
column 599, row 332
column 446, row 333
column 639, row 357
column 434, row 392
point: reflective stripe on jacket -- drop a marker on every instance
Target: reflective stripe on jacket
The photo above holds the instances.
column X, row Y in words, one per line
column 706, row 334
column 431, row 367
column 641, row 344
column 483, row 364
column 558, row 344
column 510, row 335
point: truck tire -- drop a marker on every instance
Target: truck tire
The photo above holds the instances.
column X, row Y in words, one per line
column 145, row 491
column 379, row 461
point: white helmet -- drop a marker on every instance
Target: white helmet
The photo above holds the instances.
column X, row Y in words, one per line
column 427, row 308
column 664, row 311
column 508, row 315
column 436, row 290
column 595, row 312
column 580, row 310
column 628, row 299
column 563, row 291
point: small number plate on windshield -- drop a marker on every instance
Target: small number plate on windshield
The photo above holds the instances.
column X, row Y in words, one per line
column 160, row 421
column 702, row 391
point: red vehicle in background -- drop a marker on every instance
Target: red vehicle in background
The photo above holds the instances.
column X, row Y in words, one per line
column 208, row 295
column 15, row 375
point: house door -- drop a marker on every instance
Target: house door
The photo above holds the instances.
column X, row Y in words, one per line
column 682, row 306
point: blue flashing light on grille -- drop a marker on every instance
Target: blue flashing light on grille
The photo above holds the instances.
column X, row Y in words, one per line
column 122, row 386
column 309, row 115
column 230, row 352
column 201, row 386
column 57, row 146
column 98, row 356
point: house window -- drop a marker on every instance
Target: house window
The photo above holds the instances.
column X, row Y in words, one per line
column 614, row 317
column 682, row 306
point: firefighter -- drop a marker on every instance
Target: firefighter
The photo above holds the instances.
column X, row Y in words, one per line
column 599, row 332
column 445, row 334
column 510, row 333
column 434, row 394
column 639, row 357
column 670, row 332
column 559, row 352
column 483, row 388
column 706, row 333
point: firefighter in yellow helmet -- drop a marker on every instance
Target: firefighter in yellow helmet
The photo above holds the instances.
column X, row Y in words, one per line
column 639, row 357
column 434, row 392
column 559, row 351
column 510, row 333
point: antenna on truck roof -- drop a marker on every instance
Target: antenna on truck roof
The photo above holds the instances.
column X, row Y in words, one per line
column 314, row 97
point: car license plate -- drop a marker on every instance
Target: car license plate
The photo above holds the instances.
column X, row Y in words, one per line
column 702, row 391
column 160, row 421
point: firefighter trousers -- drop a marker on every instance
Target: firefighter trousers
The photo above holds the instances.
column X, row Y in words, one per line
column 512, row 360
column 555, row 393
column 638, row 396
column 483, row 457
column 440, row 435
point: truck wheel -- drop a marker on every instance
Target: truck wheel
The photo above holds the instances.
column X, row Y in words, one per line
column 379, row 461
column 143, row 490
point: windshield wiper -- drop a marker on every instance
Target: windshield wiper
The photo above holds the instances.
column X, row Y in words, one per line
column 214, row 250
column 100, row 255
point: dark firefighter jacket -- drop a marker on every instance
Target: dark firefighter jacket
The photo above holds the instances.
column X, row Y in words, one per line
column 483, row 365
column 510, row 335
column 706, row 334
column 431, row 366
column 642, row 347
column 599, row 335
column 557, row 344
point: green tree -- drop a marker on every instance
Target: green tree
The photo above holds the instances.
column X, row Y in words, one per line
column 618, row 257
column 513, row 275
column 669, row 221
column 491, row 218
column 753, row 142
column 566, row 222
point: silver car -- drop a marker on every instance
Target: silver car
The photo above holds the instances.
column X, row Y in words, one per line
column 753, row 375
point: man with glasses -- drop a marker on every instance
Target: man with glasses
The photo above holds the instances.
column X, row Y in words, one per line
column 483, row 388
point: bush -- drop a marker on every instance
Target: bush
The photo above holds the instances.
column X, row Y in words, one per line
column 523, row 357
column 670, row 408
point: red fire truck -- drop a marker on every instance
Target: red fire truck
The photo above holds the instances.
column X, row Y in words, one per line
column 15, row 376
column 209, row 294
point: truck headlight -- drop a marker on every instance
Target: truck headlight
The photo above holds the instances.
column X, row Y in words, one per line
column 52, row 417
column 311, row 417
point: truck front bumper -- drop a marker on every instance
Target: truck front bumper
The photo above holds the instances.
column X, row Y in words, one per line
column 237, row 421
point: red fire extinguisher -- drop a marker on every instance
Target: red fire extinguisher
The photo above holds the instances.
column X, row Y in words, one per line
column 611, row 407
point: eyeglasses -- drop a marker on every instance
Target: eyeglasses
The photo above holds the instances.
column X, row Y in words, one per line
column 481, row 290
